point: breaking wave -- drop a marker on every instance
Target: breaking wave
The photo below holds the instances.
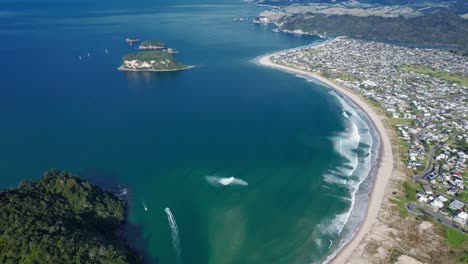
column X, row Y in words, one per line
column 216, row 181
column 357, row 148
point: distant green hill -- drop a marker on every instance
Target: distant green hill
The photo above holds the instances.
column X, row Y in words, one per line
column 62, row 219
column 457, row 6
column 439, row 28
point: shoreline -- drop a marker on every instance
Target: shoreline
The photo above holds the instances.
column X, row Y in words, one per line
column 384, row 160
column 151, row 70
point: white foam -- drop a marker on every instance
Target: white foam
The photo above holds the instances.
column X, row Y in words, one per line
column 334, row 179
column 217, row 181
column 357, row 167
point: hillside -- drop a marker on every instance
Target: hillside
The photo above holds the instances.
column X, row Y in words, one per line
column 62, row 219
column 439, row 28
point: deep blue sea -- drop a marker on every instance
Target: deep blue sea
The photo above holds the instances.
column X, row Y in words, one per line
column 169, row 136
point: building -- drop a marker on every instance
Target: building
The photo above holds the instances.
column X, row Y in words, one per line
column 456, row 205
column 427, row 189
column 461, row 218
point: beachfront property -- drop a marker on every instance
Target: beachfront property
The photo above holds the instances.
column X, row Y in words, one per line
column 423, row 92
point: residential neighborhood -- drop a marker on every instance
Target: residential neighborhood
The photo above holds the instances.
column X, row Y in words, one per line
column 424, row 93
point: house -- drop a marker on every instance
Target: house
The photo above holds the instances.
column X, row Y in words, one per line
column 427, row 189
column 436, row 203
column 461, row 218
column 442, row 198
column 423, row 199
column 456, row 205
column 452, row 191
column 444, row 211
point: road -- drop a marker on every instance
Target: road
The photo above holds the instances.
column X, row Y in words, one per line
column 417, row 209
column 429, row 165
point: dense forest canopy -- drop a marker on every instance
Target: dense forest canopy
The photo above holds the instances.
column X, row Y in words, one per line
column 62, row 219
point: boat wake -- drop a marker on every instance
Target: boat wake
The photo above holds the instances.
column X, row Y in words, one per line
column 216, row 181
column 143, row 203
column 175, row 235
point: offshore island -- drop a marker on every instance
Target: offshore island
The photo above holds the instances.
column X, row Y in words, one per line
column 152, row 60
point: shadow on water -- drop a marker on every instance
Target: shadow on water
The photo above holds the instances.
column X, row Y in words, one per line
column 138, row 80
column 132, row 233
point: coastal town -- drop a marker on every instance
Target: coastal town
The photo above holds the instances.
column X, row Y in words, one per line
column 423, row 93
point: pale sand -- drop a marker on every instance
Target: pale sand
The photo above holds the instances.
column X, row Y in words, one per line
column 385, row 162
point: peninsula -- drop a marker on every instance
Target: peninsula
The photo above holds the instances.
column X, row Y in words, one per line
column 154, row 60
column 62, row 219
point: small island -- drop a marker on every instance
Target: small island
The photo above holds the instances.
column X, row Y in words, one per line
column 152, row 45
column 154, row 60
column 62, row 219
column 131, row 40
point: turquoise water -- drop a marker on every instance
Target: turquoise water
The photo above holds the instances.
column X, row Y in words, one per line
column 161, row 134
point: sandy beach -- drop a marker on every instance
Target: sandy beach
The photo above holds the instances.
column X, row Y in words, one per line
column 385, row 161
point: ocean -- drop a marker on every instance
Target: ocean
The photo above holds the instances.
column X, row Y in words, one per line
column 303, row 151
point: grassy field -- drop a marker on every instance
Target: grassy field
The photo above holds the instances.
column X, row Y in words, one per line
column 456, row 238
column 346, row 77
column 374, row 102
column 447, row 76
column 409, row 195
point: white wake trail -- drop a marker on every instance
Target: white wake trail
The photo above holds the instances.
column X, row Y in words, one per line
column 175, row 235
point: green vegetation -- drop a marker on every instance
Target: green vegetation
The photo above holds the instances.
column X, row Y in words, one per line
column 435, row 28
column 455, row 238
column 447, row 76
column 374, row 102
column 403, row 149
column 410, row 189
column 345, row 76
column 158, row 60
column 62, row 219
column 409, row 195
column 463, row 196
column 313, row 50
column 157, row 44
column 462, row 145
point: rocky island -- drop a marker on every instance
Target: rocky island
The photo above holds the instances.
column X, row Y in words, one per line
column 62, row 219
column 152, row 45
column 154, row 60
